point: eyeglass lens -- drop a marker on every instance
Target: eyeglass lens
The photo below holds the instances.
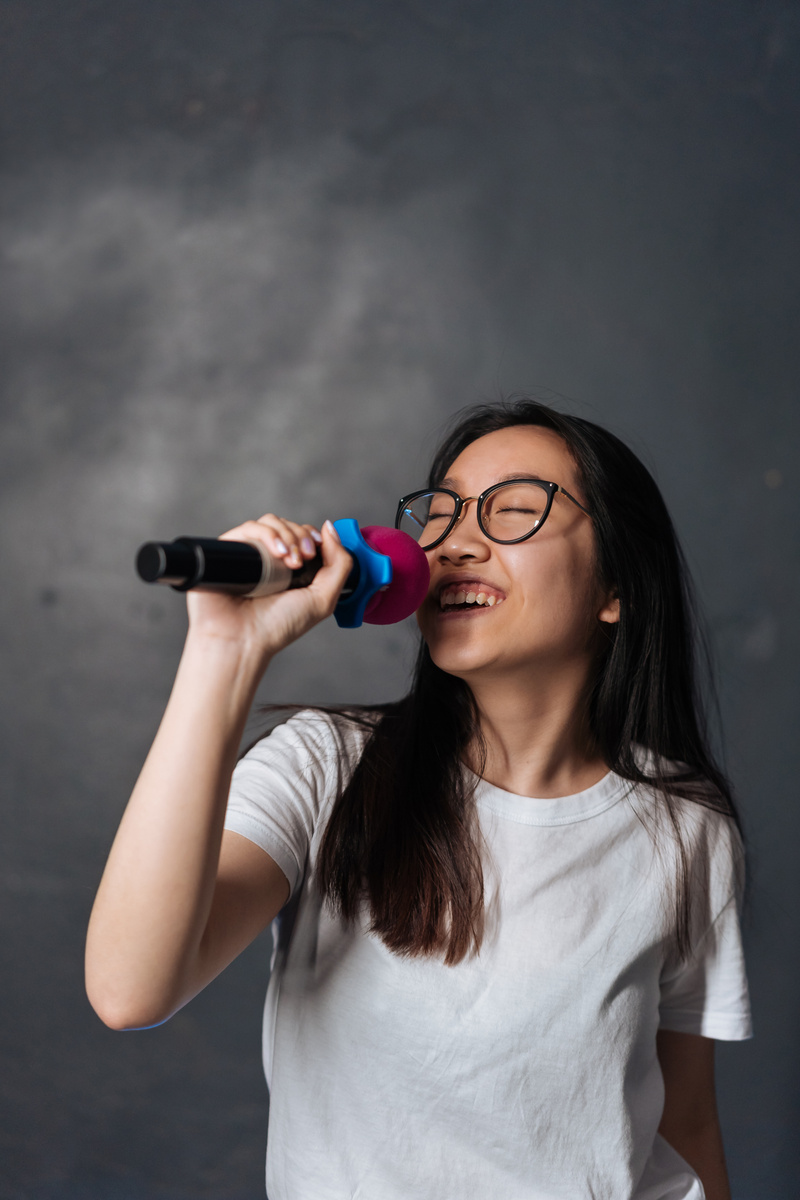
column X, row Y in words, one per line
column 509, row 513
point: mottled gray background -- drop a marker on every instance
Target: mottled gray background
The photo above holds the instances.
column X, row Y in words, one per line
column 253, row 255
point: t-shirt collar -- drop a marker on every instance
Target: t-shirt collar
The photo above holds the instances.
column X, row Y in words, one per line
column 561, row 810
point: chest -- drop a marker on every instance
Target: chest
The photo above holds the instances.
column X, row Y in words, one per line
column 576, row 919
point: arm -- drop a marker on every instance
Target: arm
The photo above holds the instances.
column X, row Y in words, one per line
column 178, row 900
column 689, row 1122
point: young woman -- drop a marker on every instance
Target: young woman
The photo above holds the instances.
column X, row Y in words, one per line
column 506, row 905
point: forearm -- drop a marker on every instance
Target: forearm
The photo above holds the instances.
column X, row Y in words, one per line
column 703, row 1150
column 143, row 944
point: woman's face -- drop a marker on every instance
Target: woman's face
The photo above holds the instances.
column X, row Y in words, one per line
column 547, row 598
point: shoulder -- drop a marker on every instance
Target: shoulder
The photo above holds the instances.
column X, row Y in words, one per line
column 713, row 855
column 696, row 808
column 697, row 840
column 312, row 740
column 284, row 786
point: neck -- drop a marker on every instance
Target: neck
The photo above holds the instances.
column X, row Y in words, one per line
column 538, row 741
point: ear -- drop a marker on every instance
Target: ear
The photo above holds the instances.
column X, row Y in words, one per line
column 609, row 613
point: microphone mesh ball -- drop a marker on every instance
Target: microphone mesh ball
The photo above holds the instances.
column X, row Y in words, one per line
column 411, row 576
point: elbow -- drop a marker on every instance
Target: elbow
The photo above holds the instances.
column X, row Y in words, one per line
column 126, row 1019
column 124, row 1009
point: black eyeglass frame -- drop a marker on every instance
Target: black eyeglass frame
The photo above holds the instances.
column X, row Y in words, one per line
column 551, row 488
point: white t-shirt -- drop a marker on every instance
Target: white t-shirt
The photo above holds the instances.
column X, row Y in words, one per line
column 527, row 1072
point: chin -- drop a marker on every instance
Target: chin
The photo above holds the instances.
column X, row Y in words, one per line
column 453, row 649
column 461, row 661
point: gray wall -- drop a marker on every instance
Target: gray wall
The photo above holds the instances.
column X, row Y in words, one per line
column 254, row 254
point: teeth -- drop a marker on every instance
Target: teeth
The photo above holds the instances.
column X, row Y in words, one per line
column 482, row 599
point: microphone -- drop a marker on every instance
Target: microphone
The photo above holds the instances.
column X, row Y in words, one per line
column 388, row 582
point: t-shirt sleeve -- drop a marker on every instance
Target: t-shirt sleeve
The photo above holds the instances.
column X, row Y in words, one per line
column 285, row 783
column 707, row 994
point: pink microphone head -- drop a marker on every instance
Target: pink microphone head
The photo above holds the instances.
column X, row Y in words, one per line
column 411, row 576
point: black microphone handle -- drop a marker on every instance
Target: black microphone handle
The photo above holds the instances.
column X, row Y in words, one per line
column 235, row 568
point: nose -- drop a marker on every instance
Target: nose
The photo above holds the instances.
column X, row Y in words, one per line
column 465, row 541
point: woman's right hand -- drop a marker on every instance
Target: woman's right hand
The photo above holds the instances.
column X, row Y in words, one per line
column 264, row 625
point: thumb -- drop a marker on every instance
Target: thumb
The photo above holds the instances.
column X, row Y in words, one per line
column 337, row 563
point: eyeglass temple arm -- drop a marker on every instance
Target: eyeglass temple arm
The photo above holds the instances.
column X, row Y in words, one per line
column 407, row 512
column 564, row 492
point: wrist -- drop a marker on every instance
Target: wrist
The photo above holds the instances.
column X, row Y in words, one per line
column 218, row 661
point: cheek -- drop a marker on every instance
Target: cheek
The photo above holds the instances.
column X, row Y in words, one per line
column 562, row 591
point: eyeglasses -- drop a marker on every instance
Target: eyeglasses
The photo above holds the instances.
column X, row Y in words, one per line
column 508, row 512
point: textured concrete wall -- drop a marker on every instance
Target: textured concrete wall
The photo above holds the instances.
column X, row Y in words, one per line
column 253, row 256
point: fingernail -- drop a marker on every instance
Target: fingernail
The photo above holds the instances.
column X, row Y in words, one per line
column 316, row 535
column 281, row 547
column 331, row 528
column 307, row 545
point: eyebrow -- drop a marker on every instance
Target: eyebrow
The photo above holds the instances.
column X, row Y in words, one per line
column 450, row 483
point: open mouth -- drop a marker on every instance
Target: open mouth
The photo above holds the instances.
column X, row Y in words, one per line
column 460, row 597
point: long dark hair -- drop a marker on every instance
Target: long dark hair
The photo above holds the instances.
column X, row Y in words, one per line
column 403, row 836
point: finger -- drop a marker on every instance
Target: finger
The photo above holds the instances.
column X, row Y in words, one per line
column 279, row 537
column 302, row 539
column 337, row 563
